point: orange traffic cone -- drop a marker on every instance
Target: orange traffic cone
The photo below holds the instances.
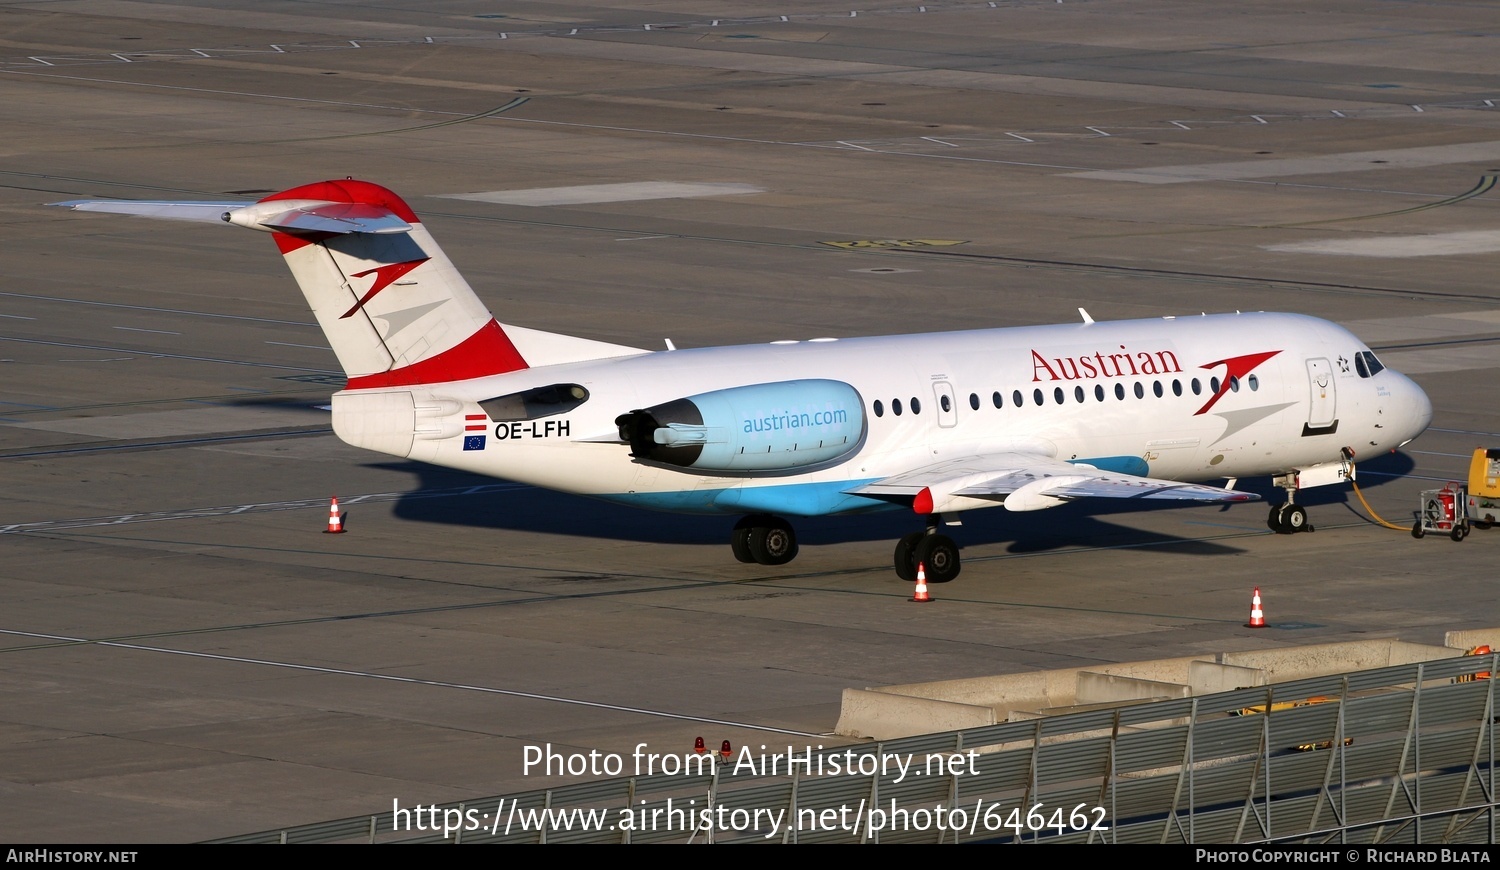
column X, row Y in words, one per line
column 1257, row 616
column 921, row 597
column 335, row 522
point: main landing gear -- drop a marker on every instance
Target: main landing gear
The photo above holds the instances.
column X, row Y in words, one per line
column 764, row 539
column 937, row 554
column 769, row 540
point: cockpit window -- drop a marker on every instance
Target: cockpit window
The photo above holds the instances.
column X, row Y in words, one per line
column 1367, row 365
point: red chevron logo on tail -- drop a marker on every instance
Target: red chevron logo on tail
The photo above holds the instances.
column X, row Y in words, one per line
column 384, row 277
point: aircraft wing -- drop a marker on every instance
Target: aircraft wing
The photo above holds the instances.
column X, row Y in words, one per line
column 1030, row 481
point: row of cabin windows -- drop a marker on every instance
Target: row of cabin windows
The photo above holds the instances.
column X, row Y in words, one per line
column 1059, row 396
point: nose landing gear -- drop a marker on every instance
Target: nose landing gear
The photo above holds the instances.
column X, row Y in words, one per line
column 1288, row 519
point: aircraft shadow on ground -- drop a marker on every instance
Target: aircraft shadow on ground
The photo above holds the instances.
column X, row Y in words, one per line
column 530, row 509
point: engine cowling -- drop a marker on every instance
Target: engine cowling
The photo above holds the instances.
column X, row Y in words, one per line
column 781, row 426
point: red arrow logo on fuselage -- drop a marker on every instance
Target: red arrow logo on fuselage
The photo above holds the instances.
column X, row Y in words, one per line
column 384, row 277
column 1235, row 367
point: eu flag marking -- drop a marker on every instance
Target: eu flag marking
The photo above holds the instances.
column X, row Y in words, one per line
column 474, row 442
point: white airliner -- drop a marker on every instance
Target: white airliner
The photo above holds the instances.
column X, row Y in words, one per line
column 1026, row 418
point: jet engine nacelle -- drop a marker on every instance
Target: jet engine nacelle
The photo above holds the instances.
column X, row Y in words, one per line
column 760, row 427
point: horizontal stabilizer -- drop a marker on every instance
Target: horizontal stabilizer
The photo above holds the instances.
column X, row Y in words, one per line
column 333, row 217
column 297, row 216
column 212, row 212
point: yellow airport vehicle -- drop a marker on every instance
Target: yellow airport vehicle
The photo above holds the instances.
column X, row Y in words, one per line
column 1484, row 488
column 1289, row 705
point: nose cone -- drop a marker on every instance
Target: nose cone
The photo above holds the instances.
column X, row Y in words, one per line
column 1419, row 409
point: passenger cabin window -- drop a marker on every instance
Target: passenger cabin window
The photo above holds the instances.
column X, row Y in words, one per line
column 999, row 402
column 896, row 407
column 974, row 401
column 916, row 406
column 879, row 409
column 1098, row 392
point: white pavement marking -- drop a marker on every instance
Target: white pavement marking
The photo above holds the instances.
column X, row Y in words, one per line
column 595, row 193
column 1385, row 330
column 1444, row 359
column 190, row 421
column 1355, row 161
column 254, row 508
column 417, row 681
column 1433, row 245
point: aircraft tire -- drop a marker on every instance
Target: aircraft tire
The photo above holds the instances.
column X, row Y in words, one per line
column 939, row 555
column 1273, row 522
column 739, row 542
column 774, row 542
column 906, row 564
column 1294, row 519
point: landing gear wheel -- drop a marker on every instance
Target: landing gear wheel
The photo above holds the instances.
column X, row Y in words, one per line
column 1273, row 522
column 772, row 541
column 1294, row 519
column 939, row 556
column 739, row 541
column 1417, row 531
column 906, row 563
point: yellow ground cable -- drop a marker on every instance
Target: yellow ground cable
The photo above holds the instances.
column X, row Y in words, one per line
column 1371, row 511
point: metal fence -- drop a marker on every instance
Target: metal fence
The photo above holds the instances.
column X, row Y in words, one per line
column 1396, row 755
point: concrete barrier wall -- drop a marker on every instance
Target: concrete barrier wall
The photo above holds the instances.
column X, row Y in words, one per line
column 1205, row 678
column 1470, row 638
column 1041, row 689
column 885, row 716
column 1096, row 688
column 1403, row 653
column 922, row 708
column 1300, row 662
